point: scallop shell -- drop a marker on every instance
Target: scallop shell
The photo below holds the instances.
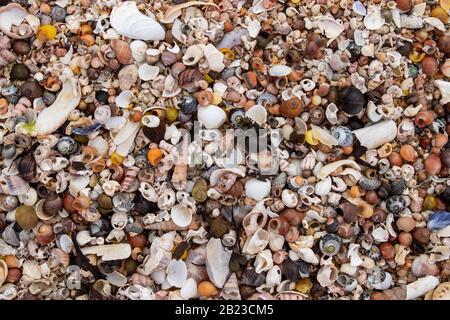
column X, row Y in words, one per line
column 176, row 273
column 212, row 117
column 217, row 262
column 128, row 21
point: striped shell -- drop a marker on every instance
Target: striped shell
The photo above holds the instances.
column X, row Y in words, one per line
column 369, row 184
column 251, row 278
column 397, row 186
column 343, row 135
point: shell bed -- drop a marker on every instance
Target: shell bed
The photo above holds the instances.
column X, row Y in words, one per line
column 233, row 149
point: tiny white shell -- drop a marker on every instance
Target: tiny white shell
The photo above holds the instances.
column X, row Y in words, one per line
column 257, row 113
column 147, row 72
column 279, row 70
column 211, row 116
column 123, row 100
column 181, row 215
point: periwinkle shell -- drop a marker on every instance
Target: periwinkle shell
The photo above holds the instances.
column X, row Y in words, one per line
column 395, row 204
column 343, row 135
column 330, row 244
column 251, row 278
column 67, row 146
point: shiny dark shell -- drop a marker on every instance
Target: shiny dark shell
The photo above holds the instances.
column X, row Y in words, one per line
column 188, row 105
column 397, row 186
column 84, row 131
column 295, row 270
column 395, row 204
column 67, row 146
column 52, row 204
column 155, row 134
column 250, row 278
column 352, row 100
column 31, row 89
column 330, row 244
column 58, row 13
column 27, row 167
column 19, row 72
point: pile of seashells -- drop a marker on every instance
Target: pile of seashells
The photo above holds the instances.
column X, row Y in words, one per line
column 121, row 179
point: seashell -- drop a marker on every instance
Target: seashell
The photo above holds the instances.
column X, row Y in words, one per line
column 189, row 289
column 328, row 26
column 442, row 292
column 374, row 20
column 444, row 88
column 256, row 242
column 122, row 50
column 369, row 184
column 230, row 289
column 395, row 204
column 397, row 186
column 127, row 20
column 326, row 170
column 352, row 100
column 257, row 113
column 346, row 282
column 379, row 279
column 3, row 272
column 66, row 146
column 27, row 167
column 128, row 76
column 327, row 275
column 359, row 8
column 13, row 15
column 176, row 273
column 181, row 215
column 289, row 198
column 438, row 220
column 257, row 189
column 331, row 114
column 343, row 136
column 279, row 71
column 323, row 136
column 52, row 117
column 84, row 131
column 421, row 286
column 212, row 117
column 421, row 267
column 108, row 252
column 254, row 220
column 214, row 58
column 376, row 135
column 147, row 72
column 251, row 278
column 263, row 261
column 217, row 262
column 323, row 187
column 330, row 244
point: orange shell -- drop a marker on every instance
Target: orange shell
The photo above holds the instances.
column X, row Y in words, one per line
column 154, row 156
column 408, row 153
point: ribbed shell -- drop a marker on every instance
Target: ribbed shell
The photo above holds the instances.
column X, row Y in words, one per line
column 397, row 186
column 280, row 180
column 395, row 204
column 369, row 183
column 251, row 278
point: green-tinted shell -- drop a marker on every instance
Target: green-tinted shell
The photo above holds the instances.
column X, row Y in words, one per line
column 26, row 217
column 19, row 72
column 219, row 226
column 199, row 191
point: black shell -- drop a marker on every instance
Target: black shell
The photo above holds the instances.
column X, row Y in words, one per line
column 352, row 100
column 19, row 72
column 84, row 131
column 155, row 134
column 251, row 278
column 66, row 146
column 291, row 270
column 397, row 186
column 188, row 105
column 395, row 204
column 27, row 167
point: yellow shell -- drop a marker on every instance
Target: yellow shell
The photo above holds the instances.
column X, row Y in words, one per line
column 208, row 79
column 228, row 54
column 117, row 159
column 309, row 137
column 295, row 1
column 416, row 57
column 171, row 114
column 440, row 13
column 216, row 99
column 46, row 32
column 445, row 4
column 304, row 285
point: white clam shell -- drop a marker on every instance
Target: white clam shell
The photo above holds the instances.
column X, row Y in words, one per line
column 212, row 117
column 108, row 252
column 421, row 286
column 217, row 260
column 263, row 261
column 189, row 289
column 181, row 215
column 376, row 135
column 257, row 113
column 279, row 70
column 128, row 21
column 253, row 28
column 176, row 273
column 257, row 189
column 138, row 49
column 374, row 20
column 444, row 88
column 147, row 72
column 123, row 100
column 289, row 198
column 328, row 26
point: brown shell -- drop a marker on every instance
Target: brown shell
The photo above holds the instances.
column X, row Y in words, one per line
column 291, row 108
column 219, row 226
column 122, row 50
column 27, row 167
column 52, row 204
column 187, row 78
column 26, row 217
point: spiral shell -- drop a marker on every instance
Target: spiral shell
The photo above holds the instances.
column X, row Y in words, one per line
column 369, row 184
column 199, row 191
column 343, row 136
column 130, row 183
column 251, row 278
column 395, row 204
